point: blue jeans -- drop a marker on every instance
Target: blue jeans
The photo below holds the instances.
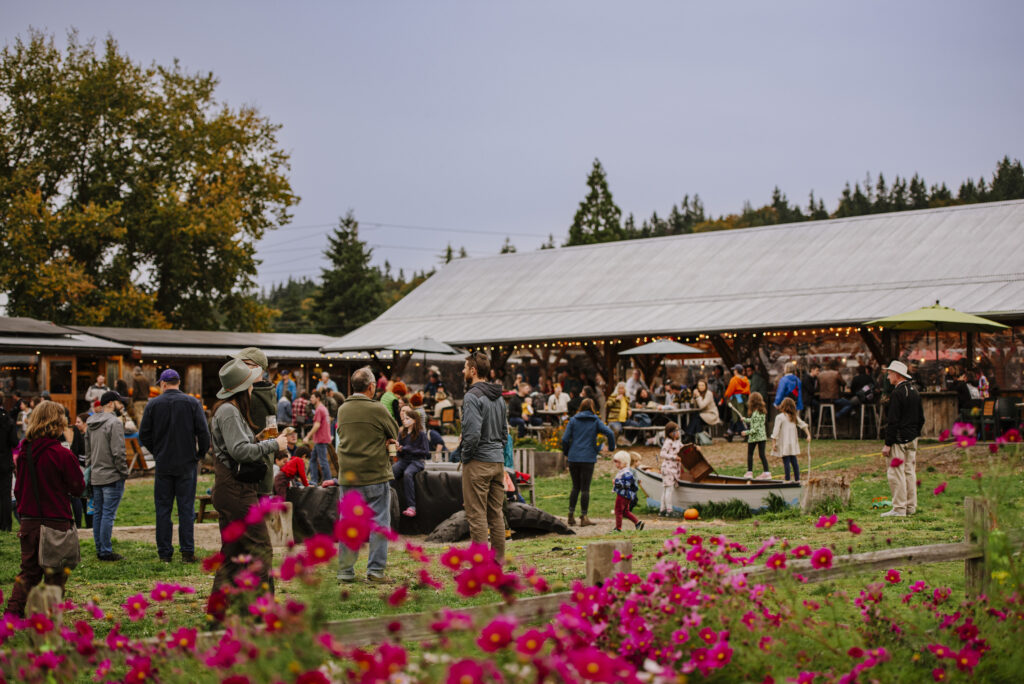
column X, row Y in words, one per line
column 166, row 490
column 845, row 406
column 520, row 423
column 406, row 469
column 105, row 500
column 378, row 498
column 319, row 470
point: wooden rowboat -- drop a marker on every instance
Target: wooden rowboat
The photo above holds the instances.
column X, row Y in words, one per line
column 715, row 488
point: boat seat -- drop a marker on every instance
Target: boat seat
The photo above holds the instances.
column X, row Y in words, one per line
column 694, row 464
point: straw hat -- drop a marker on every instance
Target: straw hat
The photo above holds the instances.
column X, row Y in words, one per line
column 235, row 376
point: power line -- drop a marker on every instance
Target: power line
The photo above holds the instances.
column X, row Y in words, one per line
column 405, row 226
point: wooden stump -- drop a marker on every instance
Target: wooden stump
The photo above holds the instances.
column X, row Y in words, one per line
column 279, row 525
column 599, row 560
column 820, row 488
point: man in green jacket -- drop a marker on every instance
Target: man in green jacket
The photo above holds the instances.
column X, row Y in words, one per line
column 365, row 433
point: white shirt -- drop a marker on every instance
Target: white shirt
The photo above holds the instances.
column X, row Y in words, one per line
column 559, row 402
column 632, row 385
column 786, row 435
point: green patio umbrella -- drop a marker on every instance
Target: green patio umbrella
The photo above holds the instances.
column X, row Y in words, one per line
column 940, row 319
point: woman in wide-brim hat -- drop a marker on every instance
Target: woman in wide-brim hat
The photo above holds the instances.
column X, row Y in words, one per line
column 232, row 433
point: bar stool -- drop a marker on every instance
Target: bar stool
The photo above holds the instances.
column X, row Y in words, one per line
column 875, row 411
column 832, row 413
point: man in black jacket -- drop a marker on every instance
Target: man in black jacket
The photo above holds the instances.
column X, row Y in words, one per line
column 906, row 418
column 175, row 431
column 8, row 440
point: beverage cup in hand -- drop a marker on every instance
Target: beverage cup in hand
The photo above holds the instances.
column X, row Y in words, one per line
column 271, row 430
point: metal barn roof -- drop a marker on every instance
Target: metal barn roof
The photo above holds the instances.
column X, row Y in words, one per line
column 840, row 271
column 207, row 338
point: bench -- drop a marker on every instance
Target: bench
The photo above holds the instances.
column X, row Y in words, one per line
column 203, row 500
column 650, row 430
column 522, row 460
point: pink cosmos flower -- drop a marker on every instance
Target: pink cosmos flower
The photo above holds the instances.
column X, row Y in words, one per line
column 102, row 670
column 776, row 561
column 247, row 580
column 497, row 634
column 427, row 580
column 398, row 596
column 312, row 677
column 893, row 576
column 939, row 674
column 681, row 636
column 264, row 507
column 941, row 651
column 115, row 640
column 822, row 558
column 320, row 549
column 944, row 436
column 136, row 607
column 896, row 462
column 468, row 582
column 967, row 659
column 236, row 679
column 918, row 586
column 233, row 532
column 213, row 563
column 720, row 654
column 853, row 527
column 938, row 490
column 801, row 551
column 709, row 636
column 593, row 665
column 352, row 531
column 184, row 638
column 826, row 522
column 290, row 567
column 1012, row 435
column 416, row 553
column 965, row 441
column 353, row 505
column 47, row 660
column 530, row 642
column 942, row 594
column 855, row 652
column 465, row 672
column 40, row 623
column 453, row 558
column 963, row 430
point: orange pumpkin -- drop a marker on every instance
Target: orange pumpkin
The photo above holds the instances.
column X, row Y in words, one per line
column 691, row 514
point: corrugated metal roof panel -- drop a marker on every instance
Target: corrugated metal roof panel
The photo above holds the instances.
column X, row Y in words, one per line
column 206, row 338
column 68, row 342
column 841, row 271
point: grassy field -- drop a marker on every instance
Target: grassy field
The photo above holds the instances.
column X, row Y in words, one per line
column 560, row 558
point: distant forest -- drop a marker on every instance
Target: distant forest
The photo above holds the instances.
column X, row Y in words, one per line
column 600, row 220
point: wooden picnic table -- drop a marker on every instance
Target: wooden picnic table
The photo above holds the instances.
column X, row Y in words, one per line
column 555, row 416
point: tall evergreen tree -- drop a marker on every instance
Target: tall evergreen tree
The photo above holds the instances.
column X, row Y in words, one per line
column 1007, row 182
column 918, row 193
column 816, row 212
column 352, row 291
column 598, row 219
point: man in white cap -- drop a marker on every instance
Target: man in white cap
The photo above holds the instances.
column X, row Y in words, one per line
column 906, row 418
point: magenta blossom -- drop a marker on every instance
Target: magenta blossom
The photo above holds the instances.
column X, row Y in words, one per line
column 822, row 558
column 940, row 489
column 893, row 576
column 827, row 522
column 136, row 607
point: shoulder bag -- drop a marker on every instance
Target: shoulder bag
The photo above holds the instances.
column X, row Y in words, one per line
column 57, row 548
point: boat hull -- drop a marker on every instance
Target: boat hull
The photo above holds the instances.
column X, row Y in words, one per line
column 688, row 494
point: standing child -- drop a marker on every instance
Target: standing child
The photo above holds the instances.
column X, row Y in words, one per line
column 757, row 414
column 670, row 466
column 786, row 438
column 625, row 491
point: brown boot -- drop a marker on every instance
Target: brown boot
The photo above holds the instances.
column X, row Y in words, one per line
column 585, row 521
column 571, row 522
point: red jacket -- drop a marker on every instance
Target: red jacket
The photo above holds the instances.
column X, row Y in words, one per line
column 59, row 477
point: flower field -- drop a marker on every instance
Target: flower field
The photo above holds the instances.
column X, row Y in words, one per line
column 691, row 609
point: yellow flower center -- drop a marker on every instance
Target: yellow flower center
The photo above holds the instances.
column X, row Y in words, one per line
column 358, row 510
column 183, row 641
column 495, row 638
column 592, row 668
column 531, row 644
column 352, row 533
column 319, row 553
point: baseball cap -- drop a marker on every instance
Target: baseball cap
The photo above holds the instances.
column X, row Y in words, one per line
column 170, row 375
column 110, row 396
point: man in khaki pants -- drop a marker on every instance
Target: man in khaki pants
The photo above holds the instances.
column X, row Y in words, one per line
column 906, row 418
column 482, row 450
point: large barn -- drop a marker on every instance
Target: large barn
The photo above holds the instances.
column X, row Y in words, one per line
column 801, row 287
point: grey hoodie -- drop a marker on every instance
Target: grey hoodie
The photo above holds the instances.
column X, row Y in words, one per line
column 105, row 450
column 484, row 424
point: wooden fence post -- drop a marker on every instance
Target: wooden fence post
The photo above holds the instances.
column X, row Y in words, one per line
column 977, row 523
column 599, row 560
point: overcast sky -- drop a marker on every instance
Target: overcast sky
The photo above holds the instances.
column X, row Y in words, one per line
column 483, row 118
